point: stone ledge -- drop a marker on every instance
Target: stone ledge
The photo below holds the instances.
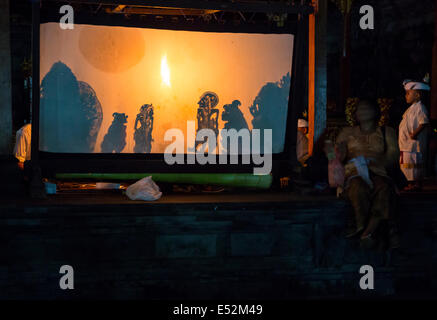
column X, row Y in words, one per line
column 240, row 250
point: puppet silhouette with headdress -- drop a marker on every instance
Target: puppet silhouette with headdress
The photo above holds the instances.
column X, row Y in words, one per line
column 143, row 134
column 207, row 115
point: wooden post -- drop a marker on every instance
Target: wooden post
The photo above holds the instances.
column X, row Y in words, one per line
column 317, row 72
column 36, row 186
column 35, row 81
column 6, row 142
column 434, row 71
column 311, row 77
column 321, row 69
column 345, row 62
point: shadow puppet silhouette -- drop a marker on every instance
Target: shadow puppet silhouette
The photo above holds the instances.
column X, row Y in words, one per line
column 269, row 111
column 234, row 119
column 207, row 116
column 70, row 112
column 143, row 134
column 115, row 138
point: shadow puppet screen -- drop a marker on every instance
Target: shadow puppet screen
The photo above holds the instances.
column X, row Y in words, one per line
column 108, row 89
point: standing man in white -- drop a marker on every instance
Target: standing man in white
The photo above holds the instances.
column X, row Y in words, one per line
column 413, row 134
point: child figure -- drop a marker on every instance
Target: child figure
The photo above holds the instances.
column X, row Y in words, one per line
column 302, row 141
column 413, row 134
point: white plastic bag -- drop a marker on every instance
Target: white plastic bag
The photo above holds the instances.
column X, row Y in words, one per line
column 144, row 189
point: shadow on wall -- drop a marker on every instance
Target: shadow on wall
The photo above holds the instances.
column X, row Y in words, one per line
column 71, row 116
column 269, row 111
column 115, row 138
column 234, row 119
column 70, row 112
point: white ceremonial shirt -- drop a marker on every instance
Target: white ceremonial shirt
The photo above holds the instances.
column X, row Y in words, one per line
column 415, row 115
column 22, row 144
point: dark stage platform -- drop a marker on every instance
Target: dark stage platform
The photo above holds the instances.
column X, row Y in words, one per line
column 113, row 197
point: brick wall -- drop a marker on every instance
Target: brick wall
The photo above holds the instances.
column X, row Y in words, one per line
column 274, row 251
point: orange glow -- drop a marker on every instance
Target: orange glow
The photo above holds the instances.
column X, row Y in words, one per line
column 165, row 71
column 169, row 69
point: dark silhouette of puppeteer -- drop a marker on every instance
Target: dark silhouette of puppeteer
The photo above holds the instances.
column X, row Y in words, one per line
column 207, row 115
column 269, row 111
column 234, row 119
column 115, row 138
column 143, row 134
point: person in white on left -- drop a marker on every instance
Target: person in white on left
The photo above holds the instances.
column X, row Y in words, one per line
column 22, row 144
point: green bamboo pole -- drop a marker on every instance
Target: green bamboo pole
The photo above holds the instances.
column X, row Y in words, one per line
column 223, row 179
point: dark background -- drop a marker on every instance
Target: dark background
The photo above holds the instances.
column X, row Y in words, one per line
column 399, row 47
